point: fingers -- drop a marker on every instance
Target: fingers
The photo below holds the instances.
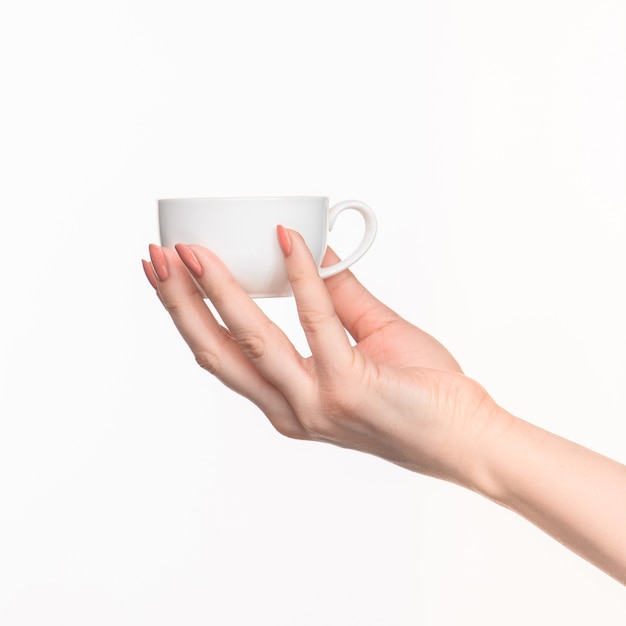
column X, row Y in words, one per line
column 214, row 348
column 259, row 339
column 324, row 331
column 359, row 311
column 180, row 296
column 150, row 273
column 255, row 357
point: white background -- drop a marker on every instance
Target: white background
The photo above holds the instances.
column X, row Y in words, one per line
column 490, row 138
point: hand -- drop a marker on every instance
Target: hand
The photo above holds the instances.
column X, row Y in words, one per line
column 397, row 393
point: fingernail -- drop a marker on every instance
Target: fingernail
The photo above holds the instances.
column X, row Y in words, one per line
column 159, row 262
column 189, row 259
column 147, row 268
column 284, row 240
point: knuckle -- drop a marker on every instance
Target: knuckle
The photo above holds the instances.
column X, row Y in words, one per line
column 253, row 345
column 317, row 425
column 208, row 361
column 314, row 321
column 290, row 429
column 254, row 341
column 172, row 306
column 339, row 405
column 324, row 421
column 330, row 411
column 298, row 277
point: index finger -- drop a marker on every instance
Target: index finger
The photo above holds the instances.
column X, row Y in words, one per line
column 324, row 331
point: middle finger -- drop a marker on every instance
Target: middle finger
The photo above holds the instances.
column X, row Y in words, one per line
column 265, row 345
column 214, row 348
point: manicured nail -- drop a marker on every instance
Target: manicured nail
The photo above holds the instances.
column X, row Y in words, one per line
column 147, row 268
column 189, row 259
column 284, row 240
column 159, row 262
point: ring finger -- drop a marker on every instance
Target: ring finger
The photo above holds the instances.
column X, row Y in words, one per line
column 214, row 348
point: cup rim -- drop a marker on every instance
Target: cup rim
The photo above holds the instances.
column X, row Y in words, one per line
column 220, row 198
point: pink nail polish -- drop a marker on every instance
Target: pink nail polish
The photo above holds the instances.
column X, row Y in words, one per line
column 147, row 268
column 189, row 259
column 284, row 240
column 159, row 262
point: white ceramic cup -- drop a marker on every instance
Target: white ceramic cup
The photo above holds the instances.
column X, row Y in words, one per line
column 242, row 232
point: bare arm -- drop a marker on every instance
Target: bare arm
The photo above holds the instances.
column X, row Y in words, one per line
column 572, row 493
column 398, row 394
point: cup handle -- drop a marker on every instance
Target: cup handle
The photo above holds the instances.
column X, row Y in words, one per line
column 368, row 237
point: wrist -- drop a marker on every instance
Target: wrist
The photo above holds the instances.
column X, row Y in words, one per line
column 570, row 492
column 493, row 453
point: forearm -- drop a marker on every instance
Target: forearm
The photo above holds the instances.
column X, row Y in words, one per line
column 570, row 492
column 398, row 394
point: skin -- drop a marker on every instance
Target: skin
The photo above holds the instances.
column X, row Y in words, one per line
column 397, row 393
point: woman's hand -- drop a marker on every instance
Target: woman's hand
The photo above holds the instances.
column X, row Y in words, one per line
column 397, row 393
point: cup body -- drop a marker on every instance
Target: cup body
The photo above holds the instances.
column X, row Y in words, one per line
column 242, row 232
